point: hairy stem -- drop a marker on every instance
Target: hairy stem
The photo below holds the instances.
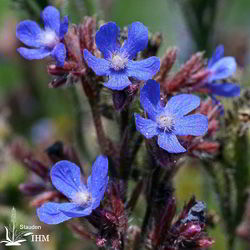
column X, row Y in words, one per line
column 152, row 184
column 106, row 145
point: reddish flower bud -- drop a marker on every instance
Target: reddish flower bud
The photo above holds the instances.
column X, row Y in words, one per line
column 45, row 197
column 205, row 146
column 72, row 44
column 190, row 230
column 167, row 63
column 87, row 34
column 181, row 78
column 205, row 242
column 101, row 242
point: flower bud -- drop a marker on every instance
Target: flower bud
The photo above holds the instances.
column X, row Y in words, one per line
column 205, row 242
column 191, row 230
column 45, row 197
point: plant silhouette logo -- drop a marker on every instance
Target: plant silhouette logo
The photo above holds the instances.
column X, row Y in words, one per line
column 13, row 236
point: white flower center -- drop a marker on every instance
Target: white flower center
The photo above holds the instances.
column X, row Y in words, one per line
column 49, row 38
column 165, row 122
column 118, row 62
column 82, row 198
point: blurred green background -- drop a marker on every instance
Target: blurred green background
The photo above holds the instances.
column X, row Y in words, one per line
column 41, row 115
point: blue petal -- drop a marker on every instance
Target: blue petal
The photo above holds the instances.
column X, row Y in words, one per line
column 31, row 54
column 98, row 180
column 74, row 210
column 50, row 213
column 217, row 55
column 59, row 53
column 51, row 19
column 222, row 69
column 150, row 98
column 66, row 177
column 29, row 33
column 145, row 69
column 196, row 125
column 170, row 143
column 146, row 127
column 106, row 39
column 100, row 66
column 181, row 105
column 117, row 81
column 64, row 27
column 224, row 89
column 137, row 40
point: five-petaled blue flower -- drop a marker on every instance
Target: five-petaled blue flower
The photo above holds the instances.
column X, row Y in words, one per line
column 66, row 177
column 169, row 121
column 221, row 68
column 45, row 42
column 118, row 61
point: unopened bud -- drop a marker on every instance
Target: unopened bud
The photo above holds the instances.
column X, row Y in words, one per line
column 100, row 242
column 87, row 33
column 206, row 146
column 167, row 63
column 72, row 43
column 59, row 71
column 191, row 230
column 125, row 97
column 205, row 243
column 55, row 151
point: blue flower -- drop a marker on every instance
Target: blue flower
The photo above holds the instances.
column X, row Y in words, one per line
column 66, row 177
column 221, row 68
column 118, row 61
column 45, row 42
column 169, row 121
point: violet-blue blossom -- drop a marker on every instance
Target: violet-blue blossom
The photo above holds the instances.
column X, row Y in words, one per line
column 220, row 68
column 66, row 177
column 170, row 121
column 45, row 42
column 118, row 63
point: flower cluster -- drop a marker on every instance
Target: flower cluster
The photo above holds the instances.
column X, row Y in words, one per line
column 172, row 119
column 213, row 77
column 186, row 232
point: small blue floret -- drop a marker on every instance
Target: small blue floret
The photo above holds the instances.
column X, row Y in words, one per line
column 66, row 177
column 170, row 121
column 221, row 68
column 45, row 42
column 118, row 63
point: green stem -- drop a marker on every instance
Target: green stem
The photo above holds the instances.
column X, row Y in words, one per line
column 106, row 145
